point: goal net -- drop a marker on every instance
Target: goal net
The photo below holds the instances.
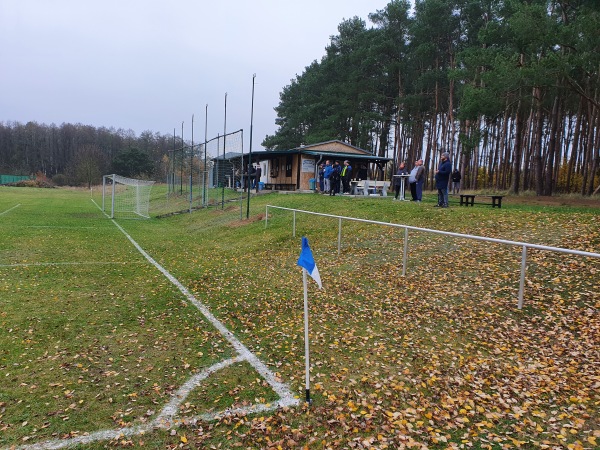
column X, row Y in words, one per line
column 126, row 198
column 226, row 175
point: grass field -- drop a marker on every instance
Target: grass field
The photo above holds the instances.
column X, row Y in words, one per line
column 95, row 341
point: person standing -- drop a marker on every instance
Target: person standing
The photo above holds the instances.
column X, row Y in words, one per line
column 420, row 180
column 346, row 177
column 334, row 178
column 327, row 176
column 322, row 178
column 442, row 178
column 456, row 181
column 416, row 179
column 251, row 177
column 398, row 179
column 257, row 175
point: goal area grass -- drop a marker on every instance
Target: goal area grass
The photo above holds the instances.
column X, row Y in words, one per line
column 96, row 338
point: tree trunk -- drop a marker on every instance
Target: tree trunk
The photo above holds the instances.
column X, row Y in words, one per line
column 552, row 144
column 518, row 152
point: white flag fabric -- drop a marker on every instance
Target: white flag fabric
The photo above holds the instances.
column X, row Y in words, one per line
column 307, row 261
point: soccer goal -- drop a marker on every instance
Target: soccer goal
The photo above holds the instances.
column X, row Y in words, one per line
column 129, row 198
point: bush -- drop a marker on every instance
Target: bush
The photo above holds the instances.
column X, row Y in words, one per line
column 60, row 179
column 34, row 183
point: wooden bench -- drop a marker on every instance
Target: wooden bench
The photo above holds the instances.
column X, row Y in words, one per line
column 469, row 200
column 370, row 187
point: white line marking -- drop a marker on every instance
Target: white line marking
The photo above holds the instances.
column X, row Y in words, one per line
column 170, row 411
column 72, row 263
column 280, row 388
column 167, row 417
column 9, row 209
column 59, row 226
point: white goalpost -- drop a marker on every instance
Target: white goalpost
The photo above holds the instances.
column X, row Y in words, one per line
column 129, row 198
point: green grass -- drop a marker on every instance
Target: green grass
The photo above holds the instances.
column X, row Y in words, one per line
column 93, row 337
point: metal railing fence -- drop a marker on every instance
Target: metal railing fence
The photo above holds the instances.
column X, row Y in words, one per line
column 524, row 245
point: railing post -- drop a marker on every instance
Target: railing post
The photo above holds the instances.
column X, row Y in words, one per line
column 294, row 225
column 405, row 255
column 522, row 283
column 340, row 237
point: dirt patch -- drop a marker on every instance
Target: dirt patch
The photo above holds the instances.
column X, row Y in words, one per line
column 241, row 223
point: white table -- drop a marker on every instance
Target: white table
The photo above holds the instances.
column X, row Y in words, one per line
column 402, row 185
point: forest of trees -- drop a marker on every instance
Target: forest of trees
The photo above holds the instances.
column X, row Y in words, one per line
column 510, row 88
column 81, row 154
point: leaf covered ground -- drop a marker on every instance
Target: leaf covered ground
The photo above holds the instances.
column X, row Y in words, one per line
column 439, row 358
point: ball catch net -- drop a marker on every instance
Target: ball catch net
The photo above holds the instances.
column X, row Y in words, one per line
column 125, row 198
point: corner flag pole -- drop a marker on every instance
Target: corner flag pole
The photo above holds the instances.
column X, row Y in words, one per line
column 309, row 267
column 306, row 344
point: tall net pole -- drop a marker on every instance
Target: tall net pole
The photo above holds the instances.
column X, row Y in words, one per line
column 192, row 166
column 224, row 134
column 205, row 178
column 250, row 149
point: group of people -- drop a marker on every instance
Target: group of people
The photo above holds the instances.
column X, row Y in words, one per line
column 249, row 182
column 335, row 179
column 416, row 180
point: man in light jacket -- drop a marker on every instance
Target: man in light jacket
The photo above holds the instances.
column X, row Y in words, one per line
column 416, row 180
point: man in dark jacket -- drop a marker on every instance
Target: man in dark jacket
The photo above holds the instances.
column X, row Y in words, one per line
column 257, row 175
column 456, row 176
column 346, row 176
column 334, row 178
column 442, row 177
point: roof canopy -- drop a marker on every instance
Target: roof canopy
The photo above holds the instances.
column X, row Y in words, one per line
column 337, row 155
column 325, row 150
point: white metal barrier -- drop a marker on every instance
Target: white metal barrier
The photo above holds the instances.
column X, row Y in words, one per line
column 523, row 245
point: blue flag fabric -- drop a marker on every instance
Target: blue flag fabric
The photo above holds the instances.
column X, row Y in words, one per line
column 307, row 261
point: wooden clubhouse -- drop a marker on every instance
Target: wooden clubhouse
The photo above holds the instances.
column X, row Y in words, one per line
column 292, row 170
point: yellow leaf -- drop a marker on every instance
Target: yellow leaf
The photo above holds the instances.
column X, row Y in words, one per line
column 592, row 440
column 184, row 439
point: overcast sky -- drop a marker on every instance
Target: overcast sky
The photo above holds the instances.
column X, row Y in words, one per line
column 150, row 64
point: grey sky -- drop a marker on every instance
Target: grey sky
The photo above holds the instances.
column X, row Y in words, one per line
column 150, row 65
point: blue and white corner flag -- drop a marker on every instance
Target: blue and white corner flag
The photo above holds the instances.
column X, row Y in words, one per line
column 307, row 261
